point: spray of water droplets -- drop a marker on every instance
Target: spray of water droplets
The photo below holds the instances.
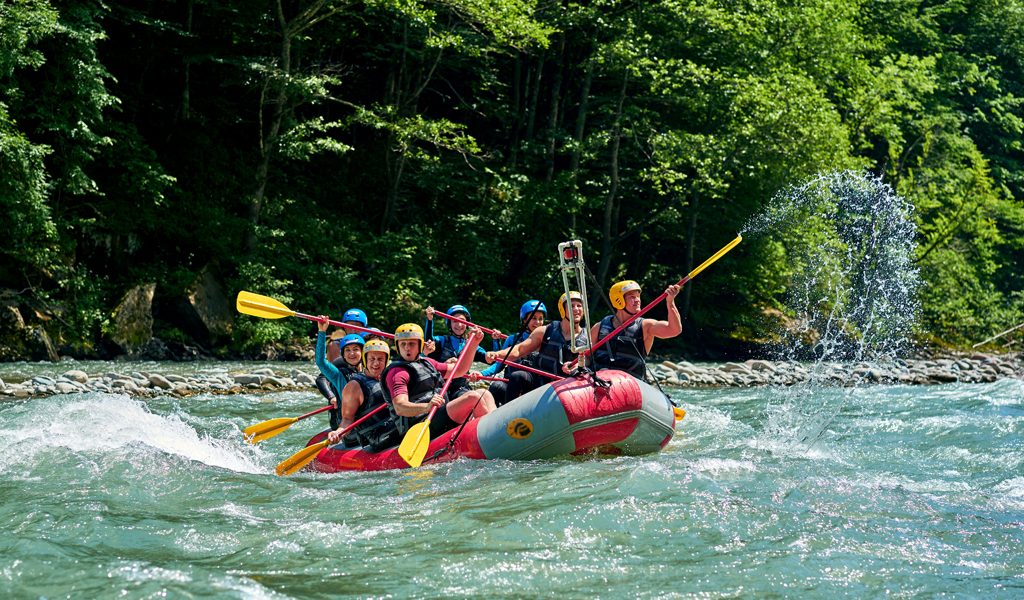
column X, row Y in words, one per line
column 853, row 292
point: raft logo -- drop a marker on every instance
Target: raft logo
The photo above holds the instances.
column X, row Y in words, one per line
column 519, row 429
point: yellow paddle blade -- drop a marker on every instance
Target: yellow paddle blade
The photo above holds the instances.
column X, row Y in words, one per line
column 680, row 413
column 300, row 459
column 415, row 443
column 267, row 429
column 266, row 307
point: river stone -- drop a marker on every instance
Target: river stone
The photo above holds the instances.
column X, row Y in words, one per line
column 160, row 381
column 249, row 379
column 66, row 388
column 77, row 376
column 133, row 318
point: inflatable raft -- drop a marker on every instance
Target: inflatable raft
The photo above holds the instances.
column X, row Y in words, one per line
column 570, row 416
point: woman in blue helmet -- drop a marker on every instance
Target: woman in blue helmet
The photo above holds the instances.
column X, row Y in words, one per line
column 334, row 374
column 532, row 315
column 450, row 346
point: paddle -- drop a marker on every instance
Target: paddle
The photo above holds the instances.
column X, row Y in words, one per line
column 528, row 369
column 494, row 334
column 266, row 307
column 268, row 429
column 663, row 295
column 416, row 441
column 305, row 456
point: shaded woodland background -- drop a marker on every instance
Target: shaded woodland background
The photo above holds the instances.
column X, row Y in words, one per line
column 397, row 153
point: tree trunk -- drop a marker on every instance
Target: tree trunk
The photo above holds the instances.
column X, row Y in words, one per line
column 691, row 236
column 268, row 142
column 577, row 151
column 609, row 228
column 556, row 93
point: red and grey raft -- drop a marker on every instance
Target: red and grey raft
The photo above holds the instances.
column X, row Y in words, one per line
column 570, row 416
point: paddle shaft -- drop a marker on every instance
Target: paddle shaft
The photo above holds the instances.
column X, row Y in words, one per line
column 663, row 295
column 493, row 334
column 315, row 412
column 527, row 369
column 486, row 378
column 284, row 310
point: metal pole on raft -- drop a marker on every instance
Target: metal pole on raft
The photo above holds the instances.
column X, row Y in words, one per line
column 570, row 263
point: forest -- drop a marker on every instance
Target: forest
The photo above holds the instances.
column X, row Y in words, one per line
column 395, row 154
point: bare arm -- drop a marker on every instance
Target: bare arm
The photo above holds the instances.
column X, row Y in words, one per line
column 530, row 344
column 664, row 329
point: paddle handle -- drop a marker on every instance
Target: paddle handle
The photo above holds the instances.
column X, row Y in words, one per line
column 493, row 334
column 527, row 369
column 664, row 295
column 382, row 334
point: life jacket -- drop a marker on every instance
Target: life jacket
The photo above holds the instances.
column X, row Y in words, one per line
column 555, row 349
column 378, row 431
column 626, row 351
column 424, row 382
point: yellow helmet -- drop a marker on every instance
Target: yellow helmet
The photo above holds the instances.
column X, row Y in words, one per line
column 376, row 346
column 619, row 290
column 409, row 331
column 562, row 308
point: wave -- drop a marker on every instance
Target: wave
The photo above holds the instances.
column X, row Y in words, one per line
column 97, row 423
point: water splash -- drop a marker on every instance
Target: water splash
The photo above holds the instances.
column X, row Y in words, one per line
column 99, row 424
column 852, row 297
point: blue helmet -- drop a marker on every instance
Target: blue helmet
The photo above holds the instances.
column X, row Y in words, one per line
column 532, row 305
column 354, row 314
column 351, row 339
column 460, row 308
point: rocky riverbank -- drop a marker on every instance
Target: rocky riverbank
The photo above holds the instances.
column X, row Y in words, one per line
column 976, row 368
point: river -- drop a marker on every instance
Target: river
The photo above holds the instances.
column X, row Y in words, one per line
column 897, row 490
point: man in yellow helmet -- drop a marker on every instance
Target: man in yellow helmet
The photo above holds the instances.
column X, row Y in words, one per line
column 361, row 395
column 628, row 350
column 551, row 343
column 412, row 382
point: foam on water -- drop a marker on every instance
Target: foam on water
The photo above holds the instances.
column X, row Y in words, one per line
column 97, row 423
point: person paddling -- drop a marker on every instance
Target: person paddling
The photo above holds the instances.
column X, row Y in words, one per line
column 412, row 382
column 551, row 344
column 628, row 350
column 448, row 347
column 532, row 315
column 360, row 396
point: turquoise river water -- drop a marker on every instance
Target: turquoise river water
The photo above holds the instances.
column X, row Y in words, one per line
column 900, row 491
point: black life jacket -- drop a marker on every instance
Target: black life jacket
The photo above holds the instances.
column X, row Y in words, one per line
column 448, row 348
column 555, row 349
column 379, row 430
column 626, row 351
column 424, row 382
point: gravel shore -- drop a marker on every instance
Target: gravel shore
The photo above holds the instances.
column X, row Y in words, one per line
column 975, row 368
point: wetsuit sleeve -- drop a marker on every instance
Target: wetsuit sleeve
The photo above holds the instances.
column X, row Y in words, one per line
column 324, row 387
column 397, row 382
column 329, row 371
